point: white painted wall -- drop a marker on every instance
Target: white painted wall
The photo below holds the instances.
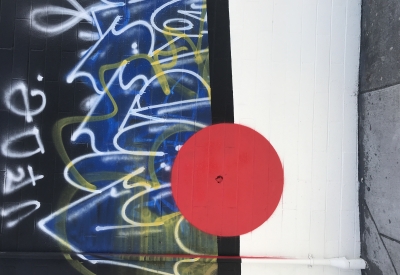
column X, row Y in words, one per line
column 295, row 79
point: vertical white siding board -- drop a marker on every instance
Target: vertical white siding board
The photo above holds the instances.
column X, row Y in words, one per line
column 297, row 86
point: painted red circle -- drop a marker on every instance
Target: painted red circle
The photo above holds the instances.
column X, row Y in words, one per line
column 227, row 179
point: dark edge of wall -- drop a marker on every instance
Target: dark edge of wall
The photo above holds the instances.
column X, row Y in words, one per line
column 361, row 191
column 361, row 150
column 222, row 103
column 361, row 155
column 360, row 58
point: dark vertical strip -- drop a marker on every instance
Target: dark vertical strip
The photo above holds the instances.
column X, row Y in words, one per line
column 220, row 61
column 222, row 103
column 7, row 23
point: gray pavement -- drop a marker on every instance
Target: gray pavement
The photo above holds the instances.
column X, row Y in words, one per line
column 379, row 136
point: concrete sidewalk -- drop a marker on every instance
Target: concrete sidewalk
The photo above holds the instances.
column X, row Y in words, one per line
column 379, row 136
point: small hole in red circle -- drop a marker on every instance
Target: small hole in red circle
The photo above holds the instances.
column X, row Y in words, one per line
column 219, row 179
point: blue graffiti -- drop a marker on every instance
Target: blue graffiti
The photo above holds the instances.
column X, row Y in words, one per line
column 148, row 68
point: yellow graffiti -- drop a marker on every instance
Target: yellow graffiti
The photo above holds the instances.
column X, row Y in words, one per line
column 77, row 265
column 157, row 143
column 160, row 74
column 133, row 182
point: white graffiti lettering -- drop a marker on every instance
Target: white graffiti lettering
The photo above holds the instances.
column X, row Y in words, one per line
column 189, row 24
column 39, row 20
column 14, row 181
column 6, row 151
column 27, row 112
column 13, row 209
column 193, row 14
column 166, row 42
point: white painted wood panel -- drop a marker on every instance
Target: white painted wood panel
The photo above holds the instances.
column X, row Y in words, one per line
column 295, row 80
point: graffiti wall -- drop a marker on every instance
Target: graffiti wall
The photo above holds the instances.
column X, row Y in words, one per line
column 100, row 98
column 97, row 98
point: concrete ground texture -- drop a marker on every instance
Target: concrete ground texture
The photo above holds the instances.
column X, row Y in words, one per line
column 379, row 136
